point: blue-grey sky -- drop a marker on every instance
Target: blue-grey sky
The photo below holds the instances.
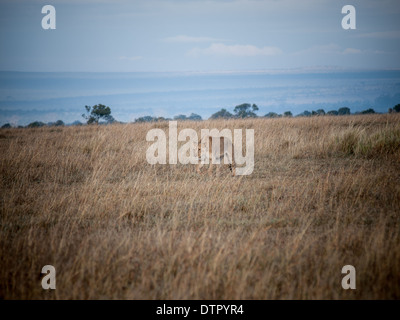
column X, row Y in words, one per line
column 194, row 35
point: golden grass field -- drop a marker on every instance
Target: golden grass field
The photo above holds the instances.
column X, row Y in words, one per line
column 324, row 193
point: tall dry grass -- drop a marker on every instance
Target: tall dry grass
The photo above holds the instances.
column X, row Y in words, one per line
column 324, row 193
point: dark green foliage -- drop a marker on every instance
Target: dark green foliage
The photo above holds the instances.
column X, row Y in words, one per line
column 272, row 115
column 221, row 114
column 343, row 111
column 151, row 119
column 180, row 117
column 146, row 119
column 368, row 111
column 306, row 113
column 332, row 113
column 195, row 117
column 36, row 124
column 59, row 123
column 97, row 113
column 245, row 110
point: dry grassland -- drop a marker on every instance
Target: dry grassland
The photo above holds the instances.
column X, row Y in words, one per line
column 325, row 192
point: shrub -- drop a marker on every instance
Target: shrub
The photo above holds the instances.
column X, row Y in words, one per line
column 36, row 124
column 221, row 114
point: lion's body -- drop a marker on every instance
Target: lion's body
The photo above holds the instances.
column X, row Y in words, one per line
column 216, row 154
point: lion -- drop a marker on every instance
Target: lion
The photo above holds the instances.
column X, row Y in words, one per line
column 215, row 153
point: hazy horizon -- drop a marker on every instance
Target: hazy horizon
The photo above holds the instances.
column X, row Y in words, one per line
column 28, row 96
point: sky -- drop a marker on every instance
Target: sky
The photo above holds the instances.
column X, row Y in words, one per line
column 194, row 35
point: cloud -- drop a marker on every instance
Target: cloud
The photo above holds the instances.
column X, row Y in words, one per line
column 188, row 39
column 220, row 49
column 351, row 51
column 320, row 49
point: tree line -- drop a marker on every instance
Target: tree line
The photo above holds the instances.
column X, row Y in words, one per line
column 101, row 114
column 247, row 110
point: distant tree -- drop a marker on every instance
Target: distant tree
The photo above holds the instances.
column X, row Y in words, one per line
column 151, row 119
column 96, row 113
column 314, row 113
column 76, row 123
column 343, row 111
column 180, row 117
column 390, row 110
column 36, row 124
column 6, row 126
column 221, row 114
column 288, row 114
column 271, row 115
column 321, row 112
column 146, row 119
column 306, row 113
column 195, row 117
column 245, row 110
column 59, row 123
column 332, row 113
column 396, row 108
column 368, row 111
column 161, row 119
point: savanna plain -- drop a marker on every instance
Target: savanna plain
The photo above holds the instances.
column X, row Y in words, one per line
column 324, row 193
